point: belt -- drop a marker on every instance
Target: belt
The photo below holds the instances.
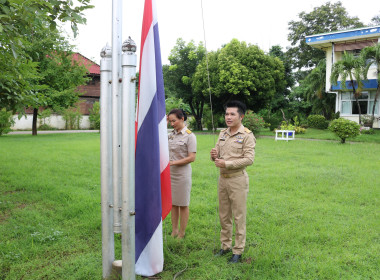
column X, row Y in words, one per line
column 230, row 175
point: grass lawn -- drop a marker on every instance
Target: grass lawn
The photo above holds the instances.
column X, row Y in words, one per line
column 313, row 212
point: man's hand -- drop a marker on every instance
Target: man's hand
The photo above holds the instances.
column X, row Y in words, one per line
column 220, row 162
column 213, row 153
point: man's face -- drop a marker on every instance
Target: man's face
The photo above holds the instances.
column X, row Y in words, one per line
column 232, row 117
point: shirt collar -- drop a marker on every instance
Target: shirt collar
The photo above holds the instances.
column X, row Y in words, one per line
column 182, row 131
column 240, row 130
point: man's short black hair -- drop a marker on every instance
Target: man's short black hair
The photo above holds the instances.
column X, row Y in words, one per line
column 236, row 104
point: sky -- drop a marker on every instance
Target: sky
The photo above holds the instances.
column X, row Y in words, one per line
column 263, row 23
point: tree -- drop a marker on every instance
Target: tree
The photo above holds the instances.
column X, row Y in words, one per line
column 184, row 59
column 281, row 98
column 57, row 76
column 315, row 91
column 240, row 71
column 326, row 18
column 375, row 20
column 371, row 55
column 349, row 67
column 19, row 19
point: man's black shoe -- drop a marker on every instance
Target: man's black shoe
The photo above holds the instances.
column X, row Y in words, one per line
column 222, row 252
column 235, row 258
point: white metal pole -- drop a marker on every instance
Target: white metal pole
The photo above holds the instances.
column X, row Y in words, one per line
column 108, row 248
column 128, row 159
column 116, row 114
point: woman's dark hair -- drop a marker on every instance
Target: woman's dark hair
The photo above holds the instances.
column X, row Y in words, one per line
column 179, row 113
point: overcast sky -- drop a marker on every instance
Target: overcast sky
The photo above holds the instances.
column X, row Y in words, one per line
column 264, row 23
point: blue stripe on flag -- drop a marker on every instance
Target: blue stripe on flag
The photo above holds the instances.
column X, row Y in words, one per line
column 148, row 182
column 159, row 75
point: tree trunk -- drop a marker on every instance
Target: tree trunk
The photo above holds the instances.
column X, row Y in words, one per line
column 374, row 105
column 197, row 116
column 199, row 123
column 360, row 112
column 357, row 102
column 34, row 125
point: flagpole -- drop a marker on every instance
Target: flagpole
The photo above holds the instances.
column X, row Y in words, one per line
column 128, row 158
column 108, row 248
column 116, row 109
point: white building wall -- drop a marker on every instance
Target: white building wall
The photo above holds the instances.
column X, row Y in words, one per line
column 55, row 121
column 328, row 68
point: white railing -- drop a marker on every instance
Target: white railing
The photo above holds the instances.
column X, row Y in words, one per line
column 285, row 135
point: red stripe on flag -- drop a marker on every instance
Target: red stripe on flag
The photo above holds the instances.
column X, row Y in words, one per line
column 166, row 192
column 146, row 25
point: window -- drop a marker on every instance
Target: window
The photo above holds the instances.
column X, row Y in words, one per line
column 366, row 100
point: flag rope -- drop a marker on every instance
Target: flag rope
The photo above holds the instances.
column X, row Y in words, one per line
column 212, row 121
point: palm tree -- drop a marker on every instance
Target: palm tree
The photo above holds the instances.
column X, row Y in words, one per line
column 349, row 67
column 316, row 81
column 315, row 90
column 372, row 55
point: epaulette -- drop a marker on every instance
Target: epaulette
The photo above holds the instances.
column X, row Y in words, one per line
column 188, row 131
column 247, row 130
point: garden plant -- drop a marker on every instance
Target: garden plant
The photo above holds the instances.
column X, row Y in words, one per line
column 344, row 129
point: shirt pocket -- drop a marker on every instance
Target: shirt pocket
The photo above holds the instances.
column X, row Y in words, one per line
column 236, row 149
column 182, row 149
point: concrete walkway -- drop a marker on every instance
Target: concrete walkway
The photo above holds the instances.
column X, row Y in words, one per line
column 54, row 131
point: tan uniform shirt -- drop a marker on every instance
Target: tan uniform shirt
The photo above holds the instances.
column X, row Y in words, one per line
column 238, row 150
column 181, row 144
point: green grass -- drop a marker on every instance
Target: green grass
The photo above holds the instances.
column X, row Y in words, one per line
column 313, row 212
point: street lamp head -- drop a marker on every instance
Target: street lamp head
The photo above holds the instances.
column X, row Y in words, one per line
column 129, row 45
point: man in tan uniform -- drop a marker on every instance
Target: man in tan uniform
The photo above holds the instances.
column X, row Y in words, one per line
column 234, row 151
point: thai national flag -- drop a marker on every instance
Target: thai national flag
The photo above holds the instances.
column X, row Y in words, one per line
column 153, row 189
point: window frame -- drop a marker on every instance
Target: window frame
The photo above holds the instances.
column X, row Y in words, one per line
column 347, row 96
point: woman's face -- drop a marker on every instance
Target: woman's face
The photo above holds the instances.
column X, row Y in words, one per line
column 175, row 122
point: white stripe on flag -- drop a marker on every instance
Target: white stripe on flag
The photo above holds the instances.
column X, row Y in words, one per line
column 151, row 260
column 163, row 139
column 154, row 11
column 148, row 86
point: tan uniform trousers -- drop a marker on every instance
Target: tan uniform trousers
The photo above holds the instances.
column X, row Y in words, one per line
column 232, row 195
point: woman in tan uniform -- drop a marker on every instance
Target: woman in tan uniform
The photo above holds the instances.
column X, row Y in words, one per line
column 182, row 149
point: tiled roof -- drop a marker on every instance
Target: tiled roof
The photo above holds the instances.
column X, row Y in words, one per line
column 92, row 66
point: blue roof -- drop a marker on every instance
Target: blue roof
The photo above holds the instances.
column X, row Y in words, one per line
column 344, row 35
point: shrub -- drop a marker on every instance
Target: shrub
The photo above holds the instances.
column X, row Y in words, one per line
column 273, row 121
column 207, row 119
column 367, row 131
column 344, row 129
column 286, row 126
column 72, row 117
column 6, row 121
column 253, row 122
column 45, row 126
column 176, row 103
column 94, row 116
column 317, row 121
column 367, row 120
column 44, row 117
column 297, row 126
column 336, row 115
column 298, row 129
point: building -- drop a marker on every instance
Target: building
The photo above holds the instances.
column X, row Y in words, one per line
column 90, row 94
column 334, row 44
column 91, row 91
